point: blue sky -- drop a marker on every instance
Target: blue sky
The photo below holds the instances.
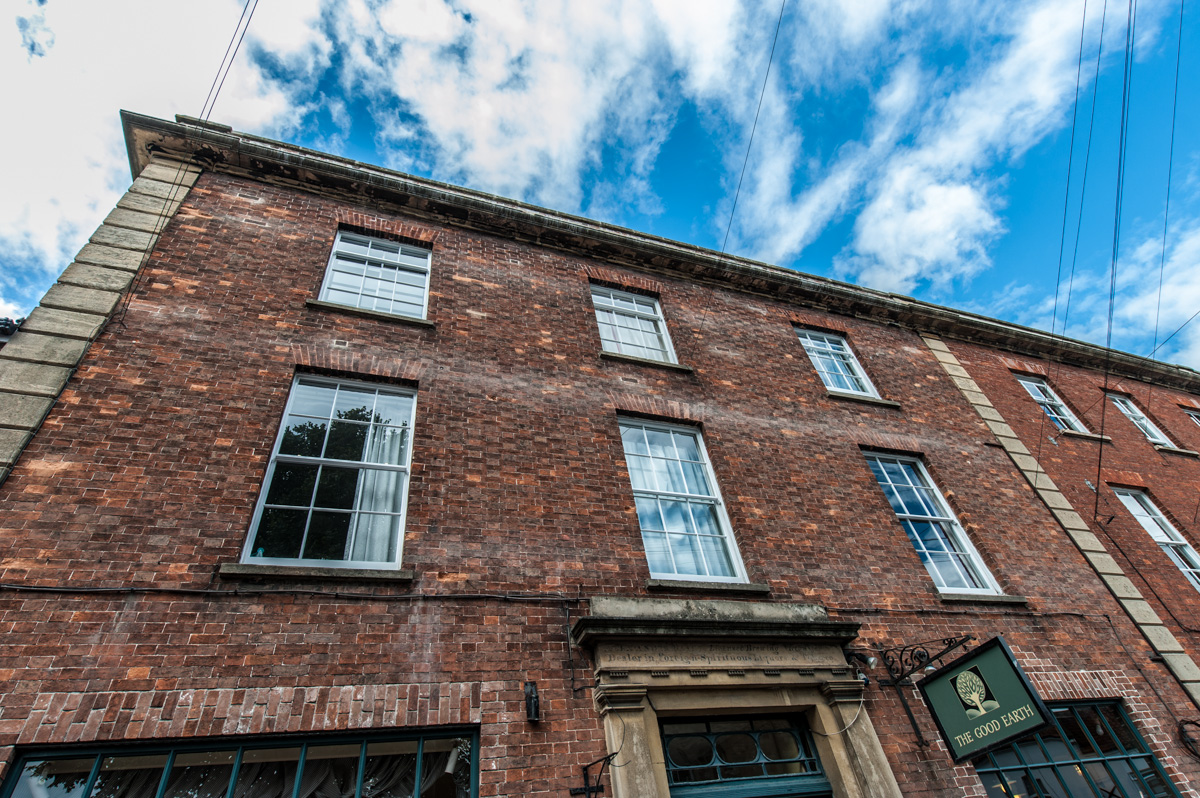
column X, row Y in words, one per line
column 910, row 146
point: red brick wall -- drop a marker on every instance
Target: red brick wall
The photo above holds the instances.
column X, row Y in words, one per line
column 1171, row 480
column 147, row 472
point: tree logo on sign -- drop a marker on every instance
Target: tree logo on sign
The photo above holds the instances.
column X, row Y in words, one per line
column 974, row 693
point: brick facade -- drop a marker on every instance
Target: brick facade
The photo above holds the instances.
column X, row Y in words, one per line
column 121, row 623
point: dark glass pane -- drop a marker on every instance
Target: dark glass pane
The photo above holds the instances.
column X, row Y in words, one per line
column 450, row 762
column 1031, row 752
column 1125, row 735
column 292, row 484
column 390, row 770
column 994, row 785
column 327, row 536
column 770, row 724
column 54, row 778
column 737, row 748
column 200, row 775
column 439, row 761
column 337, row 488
column 670, row 729
column 692, row 776
column 267, row 773
column 1099, row 731
column 1125, row 775
column 129, row 776
column 794, row 767
column 1006, row 758
column 1104, row 779
column 1077, row 784
column 279, row 533
column 1146, row 768
column 331, row 771
column 1053, row 742
column 1047, row 781
column 346, row 440
column 302, row 436
column 1074, row 733
column 779, row 745
column 741, row 771
column 687, row 752
column 1019, row 784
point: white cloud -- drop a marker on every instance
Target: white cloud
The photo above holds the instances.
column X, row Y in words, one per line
column 570, row 105
column 933, row 212
column 11, row 310
column 67, row 163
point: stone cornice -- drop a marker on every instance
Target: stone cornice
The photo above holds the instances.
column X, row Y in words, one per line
column 619, row 618
column 589, row 630
column 219, row 148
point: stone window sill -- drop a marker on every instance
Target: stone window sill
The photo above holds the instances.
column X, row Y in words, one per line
column 706, row 587
column 369, row 314
column 859, row 397
column 982, row 598
column 1180, row 452
column 662, row 364
column 1084, row 436
column 238, row 570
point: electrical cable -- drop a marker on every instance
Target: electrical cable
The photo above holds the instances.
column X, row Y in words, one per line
column 231, row 59
column 862, row 699
column 1062, row 237
column 1123, row 140
column 749, row 144
column 1087, row 160
column 228, row 47
column 206, row 109
column 1162, row 258
column 753, row 127
column 1177, row 330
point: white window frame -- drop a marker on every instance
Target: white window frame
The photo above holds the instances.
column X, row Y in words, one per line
column 1194, row 415
column 1140, row 420
column 385, row 259
column 617, row 310
column 1162, row 532
column 402, row 467
column 822, row 345
column 1054, row 407
column 963, row 554
column 711, row 499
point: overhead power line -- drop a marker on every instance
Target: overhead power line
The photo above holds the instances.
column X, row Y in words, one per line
column 206, row 109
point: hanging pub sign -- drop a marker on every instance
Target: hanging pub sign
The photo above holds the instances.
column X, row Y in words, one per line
column 983, row 700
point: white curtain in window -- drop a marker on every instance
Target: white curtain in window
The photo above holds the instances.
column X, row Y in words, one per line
column 380, row 497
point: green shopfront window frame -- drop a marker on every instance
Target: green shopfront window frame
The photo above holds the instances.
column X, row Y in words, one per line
column 442, row 764
column 1090, row 750
column 742, row 757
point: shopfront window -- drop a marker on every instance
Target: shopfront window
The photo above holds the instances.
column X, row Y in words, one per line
column 748, row 757
column 429, row 766
column 1091, row 751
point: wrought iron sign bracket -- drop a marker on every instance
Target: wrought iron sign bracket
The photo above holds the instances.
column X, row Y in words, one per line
column 903, row 661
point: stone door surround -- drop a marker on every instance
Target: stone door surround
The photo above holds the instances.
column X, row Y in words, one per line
column 678, row 658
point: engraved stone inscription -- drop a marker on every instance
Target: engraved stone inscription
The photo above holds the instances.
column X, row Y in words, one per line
column 694, row 656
